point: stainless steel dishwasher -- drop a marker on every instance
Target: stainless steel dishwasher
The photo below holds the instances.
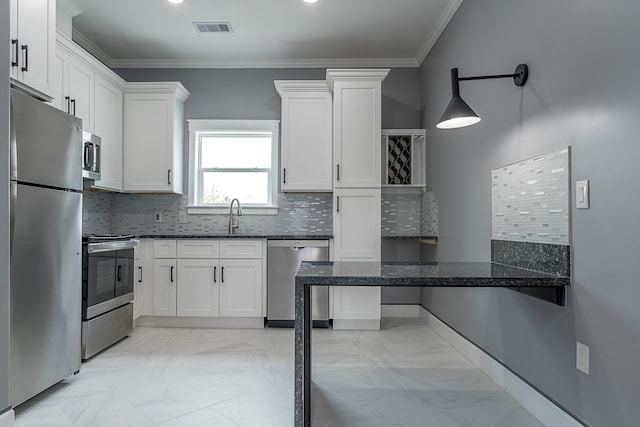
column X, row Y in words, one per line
column 283, row 259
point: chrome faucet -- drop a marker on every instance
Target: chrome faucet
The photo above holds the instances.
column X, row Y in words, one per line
column 234, row 223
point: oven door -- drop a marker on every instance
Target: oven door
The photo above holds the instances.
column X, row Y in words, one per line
column 109, row 281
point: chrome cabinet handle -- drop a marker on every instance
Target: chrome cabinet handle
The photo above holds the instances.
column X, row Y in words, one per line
column 16, row 53
column 25, row 50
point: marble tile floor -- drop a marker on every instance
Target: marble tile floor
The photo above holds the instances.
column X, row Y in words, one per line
column 402, row 375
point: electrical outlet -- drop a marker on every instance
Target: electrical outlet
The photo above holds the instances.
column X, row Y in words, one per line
column 157, row 216
column 582, row 357
column 182, row 217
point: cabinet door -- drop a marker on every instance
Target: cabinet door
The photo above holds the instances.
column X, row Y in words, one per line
column 33, row 25
column 357, row 123
column 59, row 81
column 143, row 280
column 81, row 92
column 148, row 146
column 306, row 150
column 357, row 238
column 108, row 125
column 198, row 290
column 356, row 222
column 241, row 288
column 164, row 287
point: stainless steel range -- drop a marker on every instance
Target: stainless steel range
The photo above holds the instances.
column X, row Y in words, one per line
column 107, row 291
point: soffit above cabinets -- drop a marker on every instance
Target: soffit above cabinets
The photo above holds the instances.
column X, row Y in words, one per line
column 266, row 34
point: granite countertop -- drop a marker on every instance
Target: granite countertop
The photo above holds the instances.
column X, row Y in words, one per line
column 440, row 274
column 238, row 236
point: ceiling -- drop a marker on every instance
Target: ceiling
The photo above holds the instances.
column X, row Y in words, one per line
column 266, row 33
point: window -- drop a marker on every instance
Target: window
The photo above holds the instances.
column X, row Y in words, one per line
column 233, row 159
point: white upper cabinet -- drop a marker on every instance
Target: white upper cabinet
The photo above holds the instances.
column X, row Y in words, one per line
column 32, row 38
column 357, row 99
column 306, row 148
column 153, row 137
column 84, row 87
column 108, row 125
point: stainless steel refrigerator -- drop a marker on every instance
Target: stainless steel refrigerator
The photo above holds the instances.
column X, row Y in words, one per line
column 46, row 243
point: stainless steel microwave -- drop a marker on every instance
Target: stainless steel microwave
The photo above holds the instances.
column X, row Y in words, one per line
column 91, row 155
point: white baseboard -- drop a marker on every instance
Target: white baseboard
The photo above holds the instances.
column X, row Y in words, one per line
column 7, row 418
column 200, row 322
column 396, row 310
column 538, row 405
column 357, row 324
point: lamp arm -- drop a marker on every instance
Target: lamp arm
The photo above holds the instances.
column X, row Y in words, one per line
column 519, row 76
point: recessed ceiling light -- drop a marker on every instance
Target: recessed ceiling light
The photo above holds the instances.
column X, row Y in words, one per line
column 310, row 1
column 175, row 1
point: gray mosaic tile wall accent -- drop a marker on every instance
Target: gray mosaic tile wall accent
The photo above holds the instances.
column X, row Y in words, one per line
column 401, row 214
column 119, row 213
column 298, row 214
column 96, row 212
column 430, row 214
column 530, row 199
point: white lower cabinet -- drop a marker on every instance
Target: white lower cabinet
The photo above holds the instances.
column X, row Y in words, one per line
column 241, row 288
column 164, row 287
column 356, row 223
column 208, row 278
column 198, row 290
column 143, row 279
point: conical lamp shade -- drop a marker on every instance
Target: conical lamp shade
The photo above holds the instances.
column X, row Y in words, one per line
column 458, row 114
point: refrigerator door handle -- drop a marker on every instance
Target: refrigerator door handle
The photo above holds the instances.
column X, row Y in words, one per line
column 13, row 172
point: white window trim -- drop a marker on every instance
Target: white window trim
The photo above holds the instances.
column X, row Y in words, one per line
column 199, row 125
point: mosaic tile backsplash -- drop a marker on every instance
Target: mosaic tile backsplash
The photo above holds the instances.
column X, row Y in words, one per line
column 117, row 213
column 530, row 199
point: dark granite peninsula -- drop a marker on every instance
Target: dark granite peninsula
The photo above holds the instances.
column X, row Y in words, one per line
column 441, row 274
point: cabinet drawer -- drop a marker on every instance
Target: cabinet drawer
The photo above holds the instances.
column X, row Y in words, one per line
column 164, row 248
column 198, row 249
column 241, row 249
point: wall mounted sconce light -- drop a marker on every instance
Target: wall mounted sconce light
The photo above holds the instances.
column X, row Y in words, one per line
column 458, row 114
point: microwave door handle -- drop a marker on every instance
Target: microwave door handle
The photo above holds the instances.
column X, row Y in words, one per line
column 87, row 156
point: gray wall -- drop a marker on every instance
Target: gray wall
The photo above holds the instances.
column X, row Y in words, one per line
column 4, row 206
column 582, row 92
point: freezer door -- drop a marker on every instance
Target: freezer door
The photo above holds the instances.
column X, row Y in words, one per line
column 46, row 144
column 45, row 289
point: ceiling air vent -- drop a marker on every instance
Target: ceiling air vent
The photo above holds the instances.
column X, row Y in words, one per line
column 213, row 27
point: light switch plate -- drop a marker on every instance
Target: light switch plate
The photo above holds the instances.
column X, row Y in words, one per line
column 582, row 357
column 582, row 194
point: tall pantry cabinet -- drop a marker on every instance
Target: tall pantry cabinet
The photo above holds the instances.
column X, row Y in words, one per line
column 357, row 126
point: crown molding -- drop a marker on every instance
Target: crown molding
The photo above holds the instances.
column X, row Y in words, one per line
column 354, row 75
column 69, row 7
column 92, row 48
column 267, row 63
column 437, row 30
column 174, row 88
column 288, row 86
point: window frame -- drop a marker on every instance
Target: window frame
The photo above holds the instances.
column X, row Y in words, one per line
column 200, row 127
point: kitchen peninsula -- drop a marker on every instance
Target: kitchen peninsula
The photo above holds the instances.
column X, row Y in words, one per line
column 441, row 274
